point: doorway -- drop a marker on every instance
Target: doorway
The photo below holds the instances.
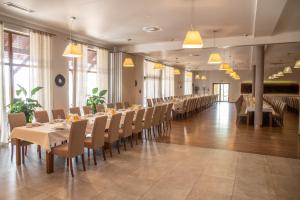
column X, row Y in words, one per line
column 222, row 90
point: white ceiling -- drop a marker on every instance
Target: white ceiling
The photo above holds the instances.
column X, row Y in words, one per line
column 114, row 21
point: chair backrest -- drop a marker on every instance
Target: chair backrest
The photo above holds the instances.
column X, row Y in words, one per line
column 149, row 103
column 126, row 104
column 127, row 126
column 16, row 120
column 75, row 110
column 138, row 122
column 163, row 111
column 87, row 110
column 156, row 115
column 76, row 138
column 169, row 112
column 100, row 108
column 119, row 105
column 153, row 101
column 98, row 131
column 41, row 116
column 148, row 117
column 58, row 114
column 110, row 105
column 113, row 130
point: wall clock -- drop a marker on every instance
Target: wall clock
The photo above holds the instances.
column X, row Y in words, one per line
column 60, row 80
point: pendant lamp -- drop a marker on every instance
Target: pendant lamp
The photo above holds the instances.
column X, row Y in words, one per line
column 158, row 66
column 177, row 72
column 128, row 62
column 215, row 58
column 297, row 64
column 287, row 70
column 193, row 38
column 72, row 50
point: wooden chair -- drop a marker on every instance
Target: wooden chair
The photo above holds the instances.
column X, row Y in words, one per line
column 87, row 110
column 100, row 108
column 126, row 105
column 112, row 135
column 162, row 119
column 147, row 124
column 41, row 116
column 149, row 103
column 119, row 105
column 75, row 146
column 96, row 141
column 138, row 124
column 17, row 120
column 75, row 110
column 168, row 118
column 110, row 105
column 58, row 114
column 156, row 120
column 125, row 132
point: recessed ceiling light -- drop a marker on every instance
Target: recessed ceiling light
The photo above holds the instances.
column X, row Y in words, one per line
column 150, row 29
column 19, row 7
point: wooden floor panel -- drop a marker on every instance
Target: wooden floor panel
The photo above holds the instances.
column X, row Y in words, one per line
column 216, row 128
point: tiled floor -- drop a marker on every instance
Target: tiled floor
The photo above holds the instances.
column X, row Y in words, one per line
column 156, row 171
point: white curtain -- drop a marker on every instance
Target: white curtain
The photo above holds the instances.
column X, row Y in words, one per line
column 102, row 69
column 115, row 77
column 40, row 66
column 4, row 131
column 81, row 77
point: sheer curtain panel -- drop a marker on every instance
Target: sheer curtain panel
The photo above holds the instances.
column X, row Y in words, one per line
column 3, row 109
column 115, row 77
column 102, row 69
column 40, row 64
column 81, row 77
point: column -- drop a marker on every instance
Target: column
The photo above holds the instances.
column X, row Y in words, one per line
column 259, row 85
column 253, row 80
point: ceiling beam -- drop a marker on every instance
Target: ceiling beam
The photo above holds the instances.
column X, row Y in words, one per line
column 266, row 16
column 287, row 37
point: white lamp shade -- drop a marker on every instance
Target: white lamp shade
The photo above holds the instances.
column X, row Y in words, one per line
column 72, row 50
column 297, row 65
column 192, row 40
column 197, row 77
column 203, row 77
column 215, row 58
column 128, row 62
column 158, row 66
column 288, row 70
column 177, row 72
column 224, row 66
column 280, row 74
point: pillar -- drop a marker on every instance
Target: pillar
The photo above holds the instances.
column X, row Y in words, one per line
column 253, row 80
column 259, row 85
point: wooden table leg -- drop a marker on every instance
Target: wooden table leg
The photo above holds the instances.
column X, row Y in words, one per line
column 49, row 162
column 18, row 152
column 270, row 119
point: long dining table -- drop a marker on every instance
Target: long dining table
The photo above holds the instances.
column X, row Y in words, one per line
column 48, row 135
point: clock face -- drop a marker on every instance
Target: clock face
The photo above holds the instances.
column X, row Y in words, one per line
column 60, row 80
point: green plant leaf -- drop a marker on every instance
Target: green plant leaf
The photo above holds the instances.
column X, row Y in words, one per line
column 35, row 90
column 22, row 90
column 95, row 90
column 102, row 93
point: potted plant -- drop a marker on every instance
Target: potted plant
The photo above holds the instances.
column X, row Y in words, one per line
column 96, row 98
column 27, row 105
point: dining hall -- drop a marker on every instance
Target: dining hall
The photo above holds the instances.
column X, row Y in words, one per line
column 169, row 99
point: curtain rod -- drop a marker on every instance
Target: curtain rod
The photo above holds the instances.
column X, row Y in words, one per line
column 26, row 27
column 89, row 44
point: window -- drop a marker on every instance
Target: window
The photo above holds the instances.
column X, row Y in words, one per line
column 16, row 63
column 71, row 82
column 168, row 82
column 151, row 81
column 188, row 83
column 91, row 72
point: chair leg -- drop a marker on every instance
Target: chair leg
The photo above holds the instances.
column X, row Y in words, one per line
column 26, row 150
column 131, row 139
column 103, row 153
column 94, row 155
column 23, row 154
column 68, row 163
column 39, row 151
column 118, row 146
column 88, row 155
column 71, row 167
column 110, row 150
column 83, row 162
column 12, row 151
column 124, row 143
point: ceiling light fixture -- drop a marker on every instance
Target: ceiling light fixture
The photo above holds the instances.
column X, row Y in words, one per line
column 19, row 7
column 280, row 74
column 297, row 64
column 224, row 66
column 150, row 29
column 158, row 66
column 193, row 38
column 177, row 72
column 215, row 58
column 72, row 50
column 203, row 77
column 189, row 74
column 197, row 77
column 128, row 62
column 287, row 70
